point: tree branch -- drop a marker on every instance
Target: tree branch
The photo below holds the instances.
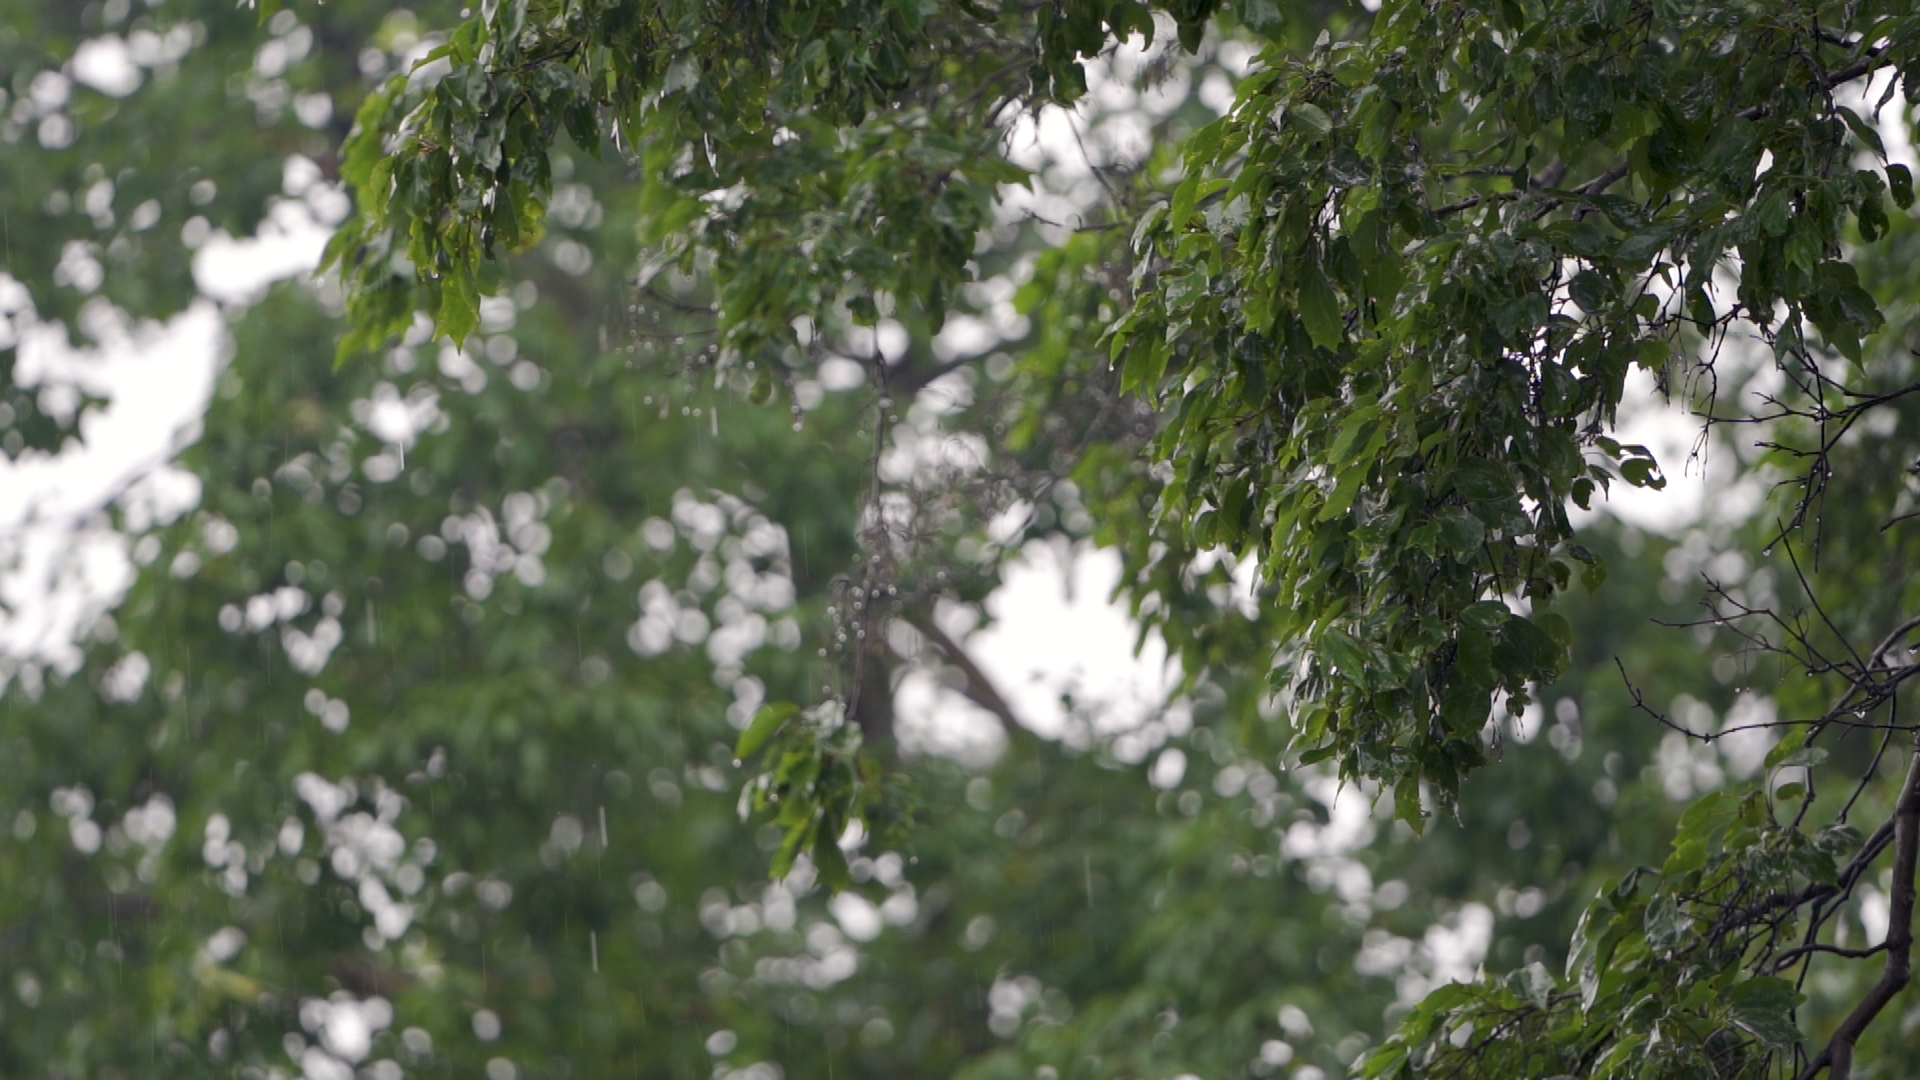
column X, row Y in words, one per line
column 913, row 380
column 1887, row 643
column 979, row 689
column 1838, row 1055
column 1788, row 958
column 1605, row 180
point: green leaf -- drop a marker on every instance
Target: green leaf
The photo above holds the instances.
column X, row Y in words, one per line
column 1838, row 840
column 1900, row 184
column 1348, row 169
column 1260, row 15
column 1698, row 819
column 1473, row 654
column 1145, row 227
column 1593, row 568
column 1483, row 481
column 1146, row 363
column 1129, row 18
column 1461, row 532
column 1528, row 650
column 830, row 861
column 1803, row 755
column 783, row 859
column 1763, row 1007
column 1774, row 213
column 1590, row 290
column 1361, row 421
column 1346, row 655
column 1642, row 245
column 1532, row 984
column 682, row 74
column 1320, row 310
column 1642, row 472
column 1187, row 195
column 1589, row 95
column 1345, row 489
column 1406, row 804
column 1667, row 924
column 1863, row 131
column 1787, row 747
column 459, row 305
column 769, row 720
column 1488, row 616
column 1688, row 856
column 1311, row 117
column 1318, row 754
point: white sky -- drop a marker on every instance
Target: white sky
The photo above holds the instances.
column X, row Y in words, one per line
column 61, row 564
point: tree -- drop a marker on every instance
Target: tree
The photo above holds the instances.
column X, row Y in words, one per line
column 380, row 764
column 1371, row 326
column 1388, row 312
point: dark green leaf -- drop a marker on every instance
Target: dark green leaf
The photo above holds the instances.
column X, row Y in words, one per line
column 1310, row 117
column 1900, row 184
column 1320, row 310
column 1763, row 1007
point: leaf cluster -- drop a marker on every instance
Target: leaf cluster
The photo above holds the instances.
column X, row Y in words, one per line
column 1670, row 971
column 1392, row 307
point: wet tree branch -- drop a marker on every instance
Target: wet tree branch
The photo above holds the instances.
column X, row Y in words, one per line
column 1837, row 1057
